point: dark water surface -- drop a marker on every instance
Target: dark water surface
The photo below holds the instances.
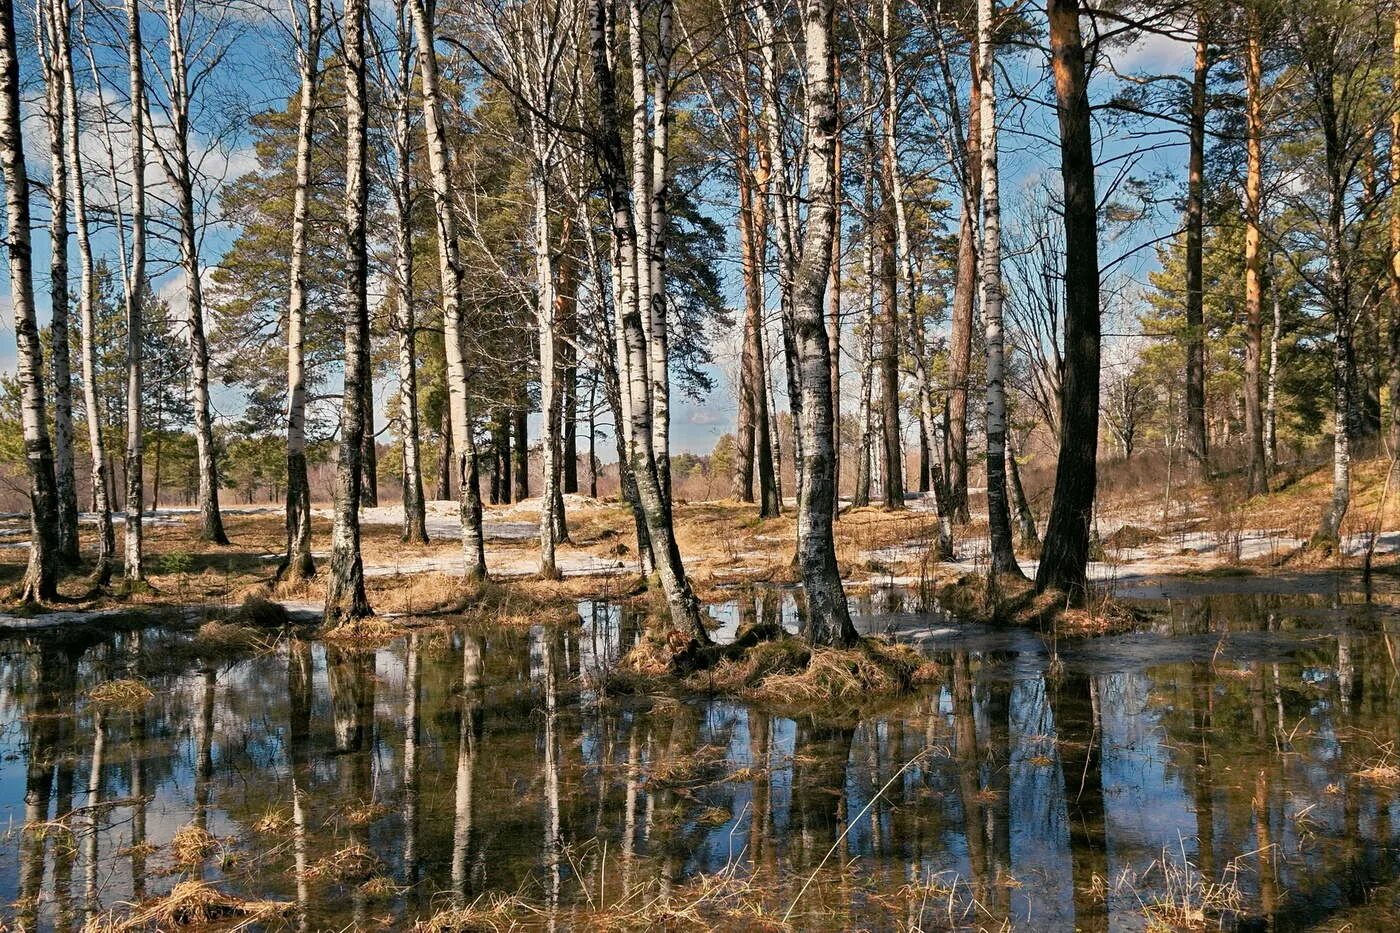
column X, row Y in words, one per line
column 1209, row 767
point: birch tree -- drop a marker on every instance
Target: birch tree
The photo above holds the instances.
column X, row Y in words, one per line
column 135, row 291
column 828, row 619
column 179, row 165
column 41, row 577
column 402, row 199
column 450, row 269
column 998, row 509
column 60, row 26
column 58, row 190
column 308, row 28
column 345, row 587
column 633, row 360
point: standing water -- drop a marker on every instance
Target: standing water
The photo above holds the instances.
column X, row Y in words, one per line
column 1235, row 764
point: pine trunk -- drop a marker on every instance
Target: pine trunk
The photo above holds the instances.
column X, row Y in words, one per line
column 1256, row 472
column 1064, row 558
column 1195, row 283
column 964, row 303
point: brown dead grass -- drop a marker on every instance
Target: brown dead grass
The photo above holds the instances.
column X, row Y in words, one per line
column 193, row 844
column 191, row 904
column 765, row 664
column 121, row 695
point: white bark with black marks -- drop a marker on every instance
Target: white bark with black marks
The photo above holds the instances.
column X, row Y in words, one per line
column 998, row 511
column 298, row 563
column 41, row 577
column 345, row 589
column 450, row 268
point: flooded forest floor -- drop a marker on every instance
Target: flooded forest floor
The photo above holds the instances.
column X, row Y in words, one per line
column 1228, row 757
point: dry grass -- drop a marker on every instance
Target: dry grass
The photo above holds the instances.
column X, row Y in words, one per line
column 192, row 904
column 486, row 913
column 765, row 664
column 193, row 844
column 121, row 695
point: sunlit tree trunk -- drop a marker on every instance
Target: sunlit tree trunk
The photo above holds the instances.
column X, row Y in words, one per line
column 1195, row 282
column 684, row 610
column 134, row 568
column 414, row 510
column 1065, row 556
column 660, row 341
column 545, row 310
column 345, row 590
column 41, row 577
column 72, row 134
column 964, row 302
column 1256, row 472
column 179, row 171
column 1394, row 282
column 297, row 562
column 55, row 119
column 998, row 510
column 450, row 266
column 828, row 618
column 1271, row 394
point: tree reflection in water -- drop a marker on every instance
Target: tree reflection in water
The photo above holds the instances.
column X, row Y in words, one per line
column 467, row 763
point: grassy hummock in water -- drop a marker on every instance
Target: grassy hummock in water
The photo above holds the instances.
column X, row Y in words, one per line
column 765, row 663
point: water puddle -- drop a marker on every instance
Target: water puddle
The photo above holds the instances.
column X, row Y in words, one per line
column 1236, row 764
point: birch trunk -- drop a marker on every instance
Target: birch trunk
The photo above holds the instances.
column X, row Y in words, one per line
column 101, row 476
column 179, row 171
column 1003, row 558
column 780, row 192
column 1065, row 555
column 1195, row 284
column 660, row 341
column 545, row 307
column 134, row 567
column 1329, row 530
column 54, row 114
column 449, row 262
column 41, row 577
column 828, row 618
column 345, row 589
column 297, row 564
column 415, row 526
column 684, row 610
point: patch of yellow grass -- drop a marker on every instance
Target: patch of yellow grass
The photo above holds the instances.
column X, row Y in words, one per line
column 193, row 844
column 191, row 903
column 128, row 695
